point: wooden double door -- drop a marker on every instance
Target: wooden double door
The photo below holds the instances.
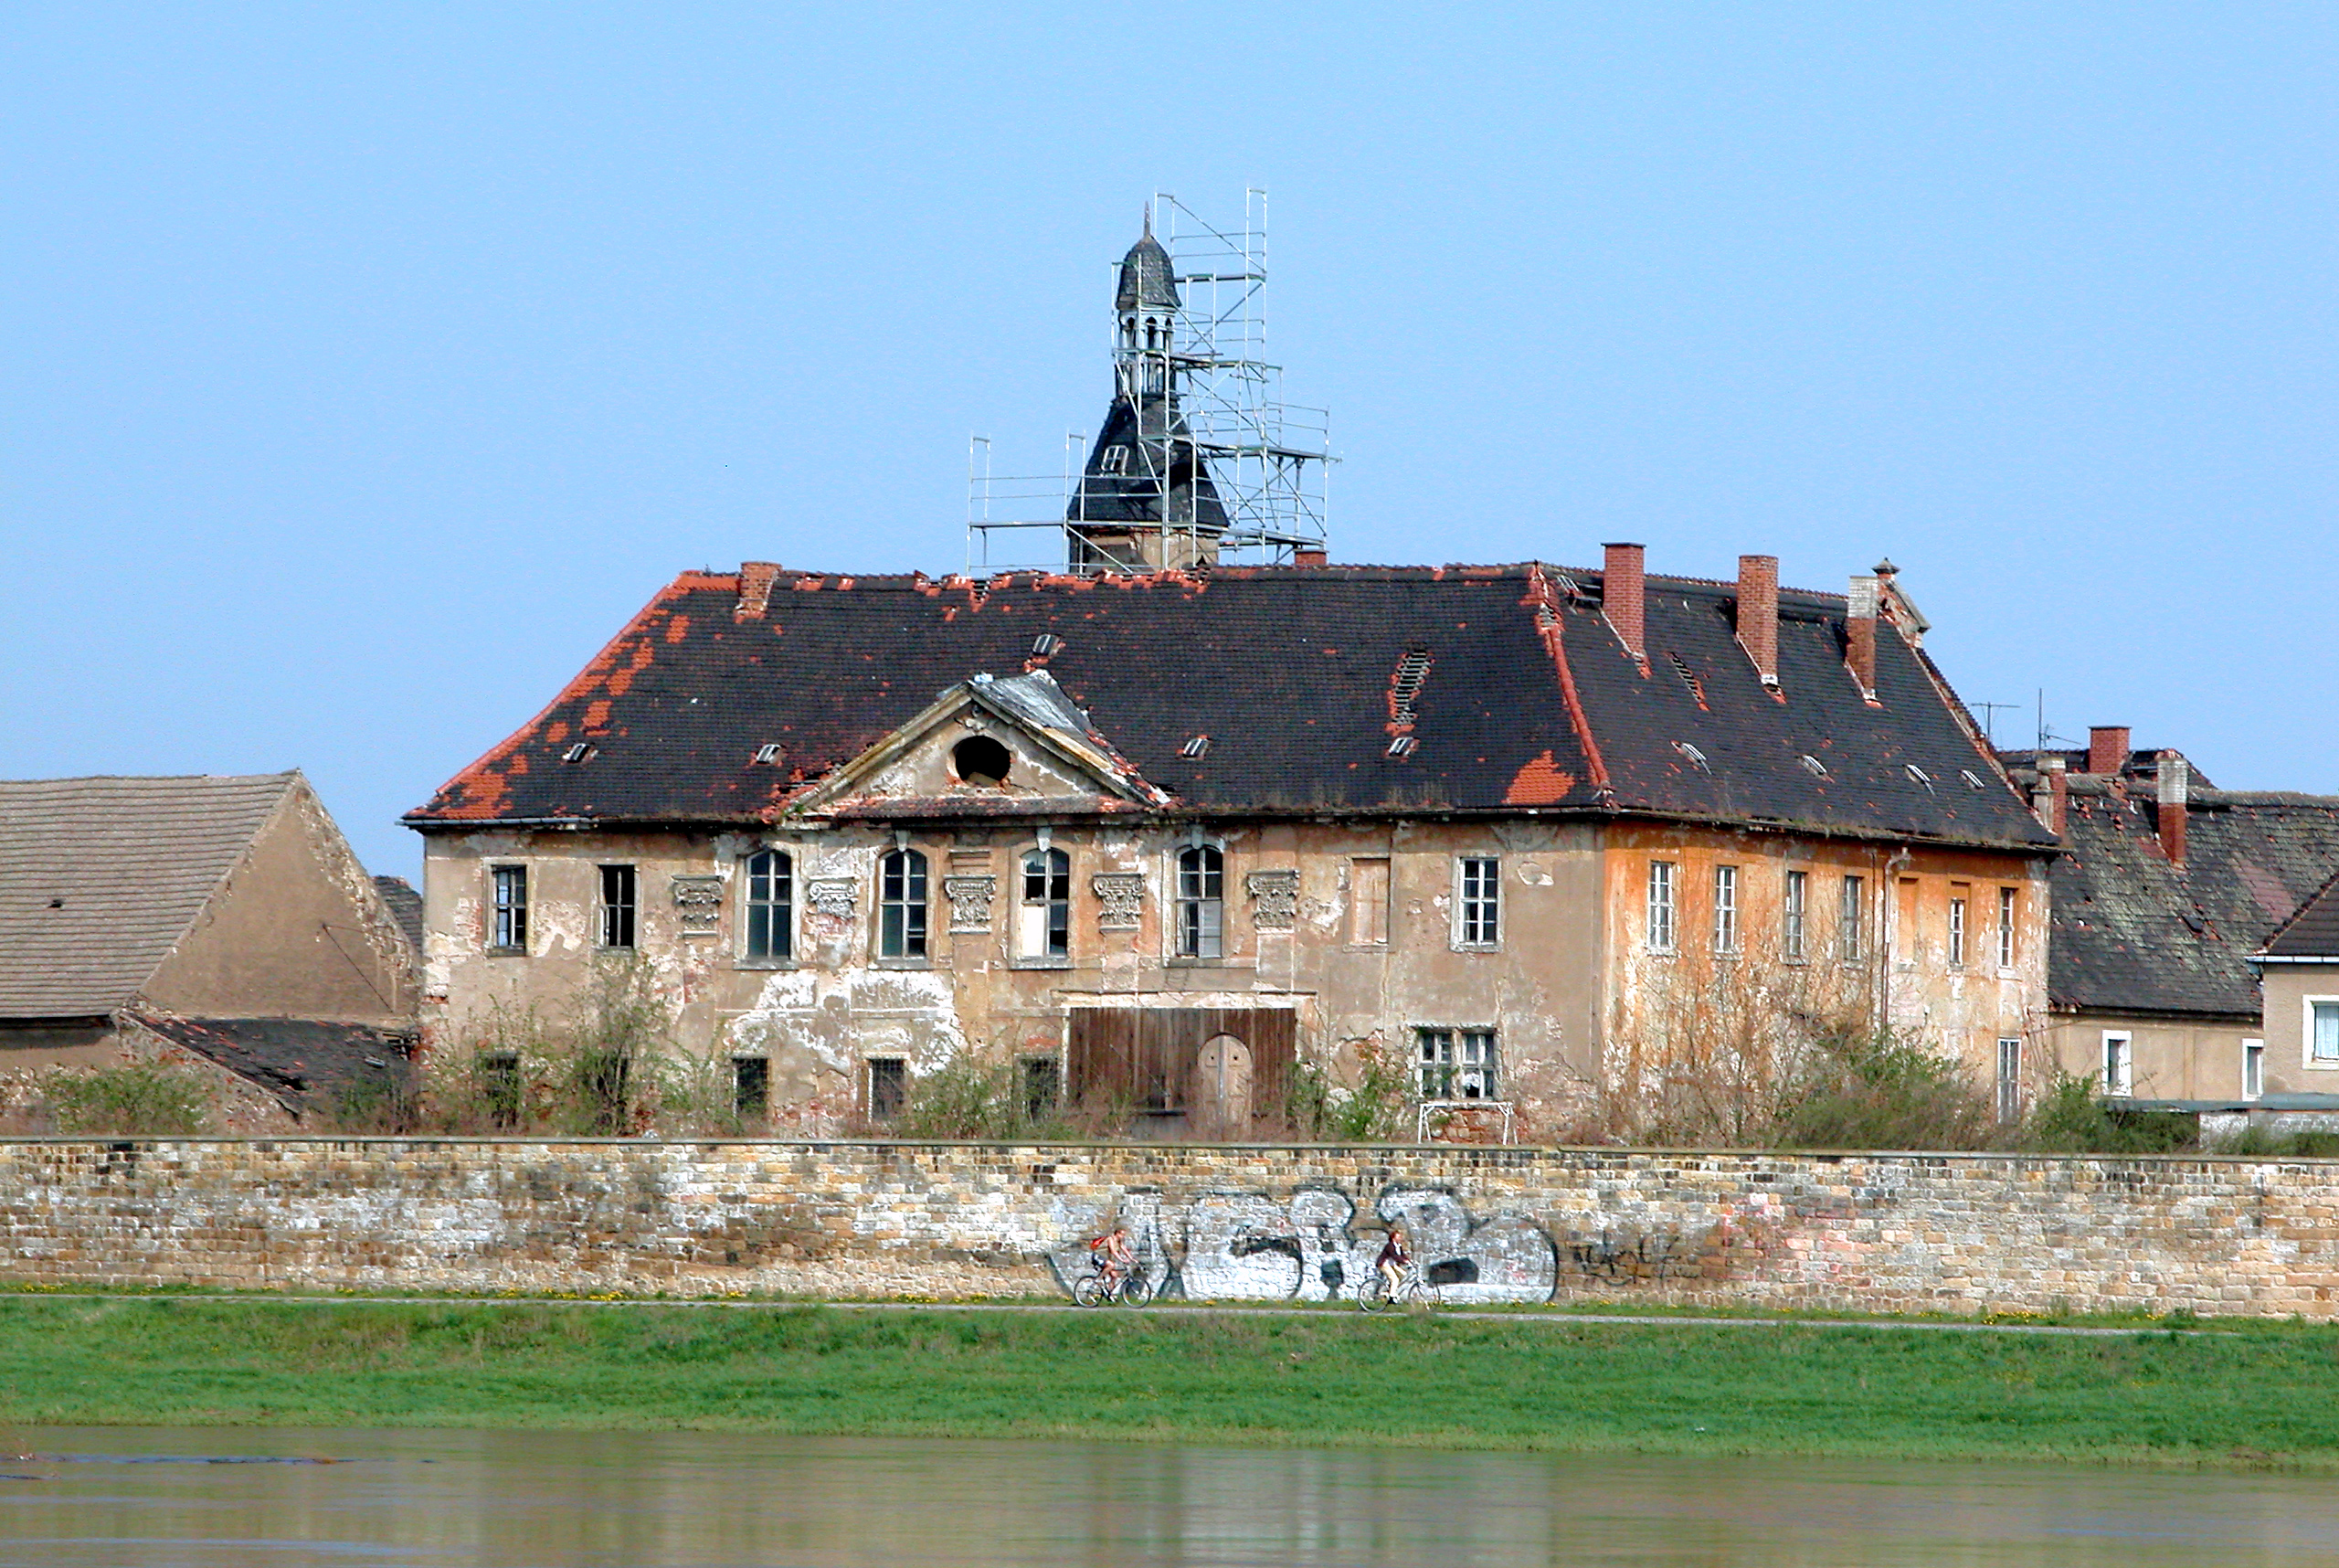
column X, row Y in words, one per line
column 1210, row 1074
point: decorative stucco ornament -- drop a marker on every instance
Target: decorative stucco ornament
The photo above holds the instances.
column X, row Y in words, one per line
column 699, row 900
column 833, row 896
column 971, row 899
column 1275, row 899
column 1120, row 899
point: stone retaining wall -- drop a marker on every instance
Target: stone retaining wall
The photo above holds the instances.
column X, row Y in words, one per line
column 1957, row 1232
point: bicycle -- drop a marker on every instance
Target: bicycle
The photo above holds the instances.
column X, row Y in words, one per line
column 1099, row 1288
column 1413, row 1291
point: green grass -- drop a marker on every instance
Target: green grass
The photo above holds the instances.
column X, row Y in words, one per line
column 2266, row 1397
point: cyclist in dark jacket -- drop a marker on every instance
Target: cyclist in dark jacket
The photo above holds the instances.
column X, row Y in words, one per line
column 1393, row 1258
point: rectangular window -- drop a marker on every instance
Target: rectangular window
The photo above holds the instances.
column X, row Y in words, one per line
column 1201, row 902
column 509, row 928
column 1851, row 920
column 1368, row 903
column 1456, row 1063
column 2253, row 1068
column 2009, row 1080
column 1960, row 898
column 617, row 905
column 770, row 907
column 901, row 904
column 2323, row 1031
column 2008, row 908
column 1481, row 903
column 1725, row 909
column 2119, row 1064
column 1797, row 899
column 1660, row 906
column 1043, row 919
column 751, row 1087
column 1042, row 1087
column 889, row 1083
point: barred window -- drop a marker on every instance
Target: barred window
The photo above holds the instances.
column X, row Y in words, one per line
column 889, row 1079
column 770, row 905
column 1481, row 902
column 1660, row 906
column 509, row 928
column 901, row 904
column 1201, row 902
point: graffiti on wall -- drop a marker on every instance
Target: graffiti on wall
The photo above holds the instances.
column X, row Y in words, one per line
column 1233, row 1244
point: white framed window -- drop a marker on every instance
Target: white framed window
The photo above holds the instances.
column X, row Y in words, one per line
column 901, row 904
column 2253, row 1068
column 508, row 928
column 1960, row 901
column 1662, row 910
column 1043, row 916
column 1201, row 902
column 1479, row 904
column 1851, row 919
column 2009, row 1080
column 1456, row 1063
column 2119, row 1063
column 768, row 903
column 1725, row 909
column 1794, row 907
column 2323, row 1031
column 2009, row 910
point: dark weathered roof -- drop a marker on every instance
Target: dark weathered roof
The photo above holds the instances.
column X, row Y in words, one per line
column 1156, row 458
column 306, row 1065
column 99, row 878
column 2133, row 933
column 1147, row 279
column 406, row 908
column 2313, row 931
column 1509, row 680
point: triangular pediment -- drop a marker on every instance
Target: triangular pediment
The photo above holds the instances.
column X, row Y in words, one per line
column 990, row 746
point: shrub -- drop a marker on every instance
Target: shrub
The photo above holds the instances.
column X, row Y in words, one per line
column 139, row 1098
column 1879, row 1091
column 1374, row 1110
column 2070, row 1118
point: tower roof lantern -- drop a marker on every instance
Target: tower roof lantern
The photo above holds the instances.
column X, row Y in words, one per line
column 1147, row 282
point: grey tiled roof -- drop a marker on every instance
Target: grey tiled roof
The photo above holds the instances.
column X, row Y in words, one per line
column 405, row 906
column 2133, row 933
column 99, row 877
column 2313, row 931
column 305, row 1063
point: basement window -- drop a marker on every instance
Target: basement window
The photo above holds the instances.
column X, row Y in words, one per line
column 888, row 1086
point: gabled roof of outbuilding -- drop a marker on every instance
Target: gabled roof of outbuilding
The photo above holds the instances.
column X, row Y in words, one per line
column 2313, row 931
column 101, row 877
column 1510, row 683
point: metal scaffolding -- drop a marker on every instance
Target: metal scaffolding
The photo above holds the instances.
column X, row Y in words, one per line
column 1217, row 467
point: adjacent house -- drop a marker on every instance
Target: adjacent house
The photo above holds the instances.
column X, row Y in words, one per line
column 2301, row 965
column 2165, row 892
column 222, row 920
column 1154, row 836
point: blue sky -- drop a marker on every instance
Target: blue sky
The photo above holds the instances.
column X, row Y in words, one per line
column 366, row 366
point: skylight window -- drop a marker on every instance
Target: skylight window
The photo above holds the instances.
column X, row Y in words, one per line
column 1692, row 753
column 1403, row 746
column 1918, row 774
column 578, row 752
column 1045, row 643
column 1406, row 683
column 1814, row 767
column 1973, row 780
column 1681, row 668
column 768, row 753
column 1197, row 746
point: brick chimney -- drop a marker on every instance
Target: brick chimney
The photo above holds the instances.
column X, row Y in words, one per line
column 2050, row 797
column 2174, row 777
column 2107, row 749
column 1859, row 634
column 1623, row 595
column 1306, row 555
column 1757, row 614
column 755, row 590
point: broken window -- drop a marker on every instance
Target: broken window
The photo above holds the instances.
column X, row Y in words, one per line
column 1456, row 1063
column 1792, row 941
column 770, row 905
column 1480, row 905
column 1043, row 922
column 509, row 929
column 1201, row 902
column 1660, row 906
column 751, row 1087
column 901, row 904
column 617, row 905
column 1850, row 942
column 888, row 1086
column 1368, row 902
column 1042, row 1087
column 981, row 761
column 1725, row 909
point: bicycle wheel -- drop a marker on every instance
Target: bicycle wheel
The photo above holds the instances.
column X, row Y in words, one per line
column 1373, row 1293
column 1089, row 1292
column 1136, row 1291
column 1418, row 1294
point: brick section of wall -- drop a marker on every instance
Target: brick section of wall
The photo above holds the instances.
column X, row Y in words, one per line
column 1949, row 1233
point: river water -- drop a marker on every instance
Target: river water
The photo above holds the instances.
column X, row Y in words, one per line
column 158, row 1497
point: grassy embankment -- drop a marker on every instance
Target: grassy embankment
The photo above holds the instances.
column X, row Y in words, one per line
column 2266, row 1395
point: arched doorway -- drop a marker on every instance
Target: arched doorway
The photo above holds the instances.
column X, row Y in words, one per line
column 1220, row 1100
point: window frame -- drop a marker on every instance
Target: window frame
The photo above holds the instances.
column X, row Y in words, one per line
column 1727, row 937
column 775, row 913
column 914, row 935
column 614, row 918
column 1661, row 909
column 1451, row 1050
column 2308, row 1006
column 1795, row 917
column 2117, row 1078
column 2009, row 1080
column 2010, row 923
column 1054, row 927
column 507, row 918
column 1477, row 902
column 1851, row 919
column 895, row 1072
column 1197, row 913
column 1961, row 914
column 2253, row 1068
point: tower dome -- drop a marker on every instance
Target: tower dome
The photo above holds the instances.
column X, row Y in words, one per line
column 1147, row 282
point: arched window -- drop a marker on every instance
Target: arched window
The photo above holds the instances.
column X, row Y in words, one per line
column 901, row 904
column 770, row 905
column 1202, row 903
column 1043, row 920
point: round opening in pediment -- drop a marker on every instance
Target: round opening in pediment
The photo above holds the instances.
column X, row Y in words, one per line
column 981, row 761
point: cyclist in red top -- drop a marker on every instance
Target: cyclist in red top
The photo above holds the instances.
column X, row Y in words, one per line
column 1114, row 1255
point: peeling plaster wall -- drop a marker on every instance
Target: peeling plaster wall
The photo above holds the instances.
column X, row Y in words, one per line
column 1879, row 1232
